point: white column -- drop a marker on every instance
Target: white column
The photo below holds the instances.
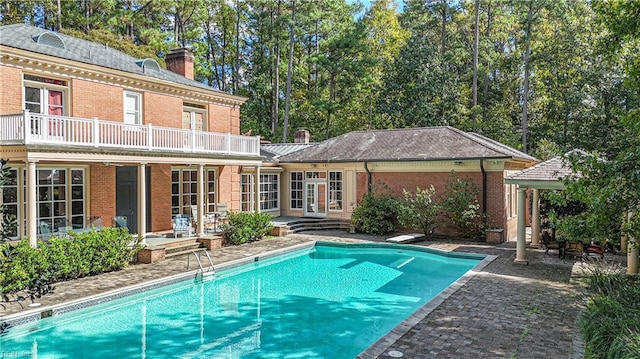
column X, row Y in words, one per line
column 256, row 190
column 521, row 243
column 200, row 202
column 32, row 206
column 535, row 219
column 632, row 253
column 142, row 203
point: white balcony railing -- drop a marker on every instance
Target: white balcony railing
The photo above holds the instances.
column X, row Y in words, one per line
column 28, row 128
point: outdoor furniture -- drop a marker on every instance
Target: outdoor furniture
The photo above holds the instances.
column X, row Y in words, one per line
column 551, row 244
column 221, row 209
column 120, row 221
column 181, row 224
column 44, row 229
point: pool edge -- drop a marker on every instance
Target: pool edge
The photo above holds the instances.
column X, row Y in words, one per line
column 384, row 343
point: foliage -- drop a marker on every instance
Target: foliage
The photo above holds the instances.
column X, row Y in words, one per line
column 59, row 259
column 460, row 204
column 375, row 214
column 245, row 227
column 611, row 322
column 419, row 209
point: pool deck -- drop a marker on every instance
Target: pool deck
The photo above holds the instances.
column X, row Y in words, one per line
column 506, row 310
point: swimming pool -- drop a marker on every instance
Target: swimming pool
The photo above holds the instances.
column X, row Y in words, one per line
column 322, row 302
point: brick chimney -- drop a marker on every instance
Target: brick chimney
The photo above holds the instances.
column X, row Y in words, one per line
column 301, row 136
column 180, row 61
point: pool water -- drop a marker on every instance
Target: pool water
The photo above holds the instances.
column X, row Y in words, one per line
column 323, row 302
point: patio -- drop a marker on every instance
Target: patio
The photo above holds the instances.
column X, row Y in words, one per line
column 506, row 310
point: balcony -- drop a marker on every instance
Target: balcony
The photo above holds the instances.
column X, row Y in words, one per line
column 36, row 129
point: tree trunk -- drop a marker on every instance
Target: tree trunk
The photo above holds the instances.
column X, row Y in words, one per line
column 476, row 44
column 59, row 15
column 332, row 96
column 485, row 89
column 525, row 87
column 236, row 69
column 287, row 103
column 276, row 74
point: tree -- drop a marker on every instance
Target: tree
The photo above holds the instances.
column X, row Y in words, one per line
column 419, row 209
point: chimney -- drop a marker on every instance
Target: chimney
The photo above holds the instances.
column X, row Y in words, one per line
column 180, row 61
column 301, row 136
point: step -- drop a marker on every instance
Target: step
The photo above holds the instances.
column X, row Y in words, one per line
column 181, row 249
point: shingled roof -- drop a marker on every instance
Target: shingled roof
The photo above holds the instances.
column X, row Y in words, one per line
column 25, row 37
column 407, row 144
column 548, row 174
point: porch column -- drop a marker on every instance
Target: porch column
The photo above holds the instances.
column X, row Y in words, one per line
column 256, row 190
column 32, row 197
column 535, row 219
column 521, row 243
column 142, row 204
column 200, row 202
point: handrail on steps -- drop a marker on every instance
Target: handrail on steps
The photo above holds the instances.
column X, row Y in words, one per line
column 196, row 254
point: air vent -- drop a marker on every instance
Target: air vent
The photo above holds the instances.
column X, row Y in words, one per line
column 148, row 65
column 50, row 39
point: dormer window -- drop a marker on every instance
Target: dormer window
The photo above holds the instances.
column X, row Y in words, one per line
column 148, row 65
column 50, row 39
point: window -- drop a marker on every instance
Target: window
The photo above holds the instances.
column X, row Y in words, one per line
column 296, row 190
column 246, row 193
column 269, row 191
column 61, row 197
column 132, row 108
column 9, row 195
column 335, row 191
column 44, row 96
column 511, row 199
column 193, row 117
column 184, row 190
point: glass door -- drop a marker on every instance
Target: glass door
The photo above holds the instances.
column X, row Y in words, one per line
column 315, row 199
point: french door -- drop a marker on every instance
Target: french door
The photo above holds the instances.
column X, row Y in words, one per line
column 315, row 199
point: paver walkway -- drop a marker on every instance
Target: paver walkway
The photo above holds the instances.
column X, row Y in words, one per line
column 506, row 311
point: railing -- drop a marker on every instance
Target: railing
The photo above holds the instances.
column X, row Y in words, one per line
column 196, row 254
column 28, row 128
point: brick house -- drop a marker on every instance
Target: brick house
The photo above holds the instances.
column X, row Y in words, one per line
column 329, row 178
column 92, row 132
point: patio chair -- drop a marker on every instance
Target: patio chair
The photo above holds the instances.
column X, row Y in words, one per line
column 551, row 244
column 181, row 224
column 221, row 210
column 45, row 230
column 120, row 221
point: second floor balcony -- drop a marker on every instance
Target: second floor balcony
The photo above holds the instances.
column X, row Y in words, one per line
column 47, row 130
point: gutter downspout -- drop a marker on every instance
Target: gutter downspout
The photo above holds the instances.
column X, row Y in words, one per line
column 484, row 192
column 366, row 168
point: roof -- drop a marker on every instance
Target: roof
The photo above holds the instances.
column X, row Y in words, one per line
column 407, row 144
column 547, row 174
column 281, row 149
column 24, row 37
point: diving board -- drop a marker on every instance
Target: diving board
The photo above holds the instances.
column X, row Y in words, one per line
column 406, row 238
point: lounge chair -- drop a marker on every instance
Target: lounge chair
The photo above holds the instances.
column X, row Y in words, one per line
column 181, row 224
column 551, row 244
column 45, row 230
column 120, row 222
column 221, row 210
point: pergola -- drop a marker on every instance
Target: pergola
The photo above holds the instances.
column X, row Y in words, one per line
column 546, row 175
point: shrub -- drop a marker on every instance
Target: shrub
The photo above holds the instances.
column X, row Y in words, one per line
column 375, row 214
column 611, row 322
column 65, row 258
column 460, row 204
column 419, row 210
column 244, row 227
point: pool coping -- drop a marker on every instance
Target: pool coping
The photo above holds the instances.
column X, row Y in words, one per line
column 373, row 351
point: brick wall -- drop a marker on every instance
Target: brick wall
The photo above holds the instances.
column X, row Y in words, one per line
column 160, row 197
column 92, row 99
column 229, row 187
column 11, row 90
column 224, row 119
column 102, row 184
column 395, row 182
column 162, row 110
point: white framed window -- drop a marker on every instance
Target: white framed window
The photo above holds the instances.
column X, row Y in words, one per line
column 132, row 108
column 61, row 198
column 296, row 188
column 193, row 117
column 511, row 200
column 9, row 195
column 246, row 193
column 44, row 95
column 269, row 192
column 184, row 190
column 335, row 190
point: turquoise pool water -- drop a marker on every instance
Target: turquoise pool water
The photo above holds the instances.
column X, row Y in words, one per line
column 323, row 302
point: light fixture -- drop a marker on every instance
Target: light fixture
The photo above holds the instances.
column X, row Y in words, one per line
column 107, row 164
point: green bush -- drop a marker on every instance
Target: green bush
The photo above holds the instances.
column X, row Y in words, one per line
column 419, row 210
column 460, row 204
column 59, row 259
column 245, row 227
column 611, row 322
column 376, row 214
